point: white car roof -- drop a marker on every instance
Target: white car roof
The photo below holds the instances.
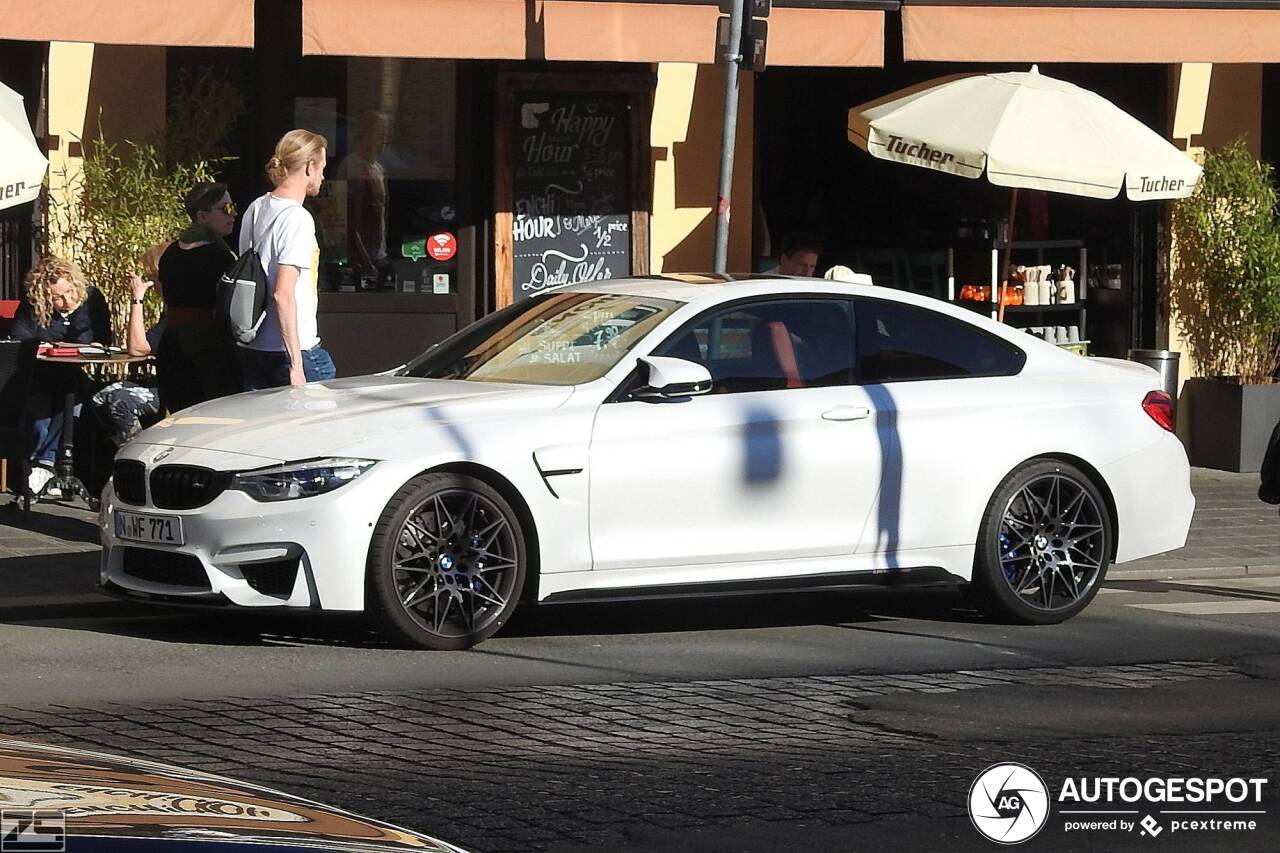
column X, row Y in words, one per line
column 692, row 287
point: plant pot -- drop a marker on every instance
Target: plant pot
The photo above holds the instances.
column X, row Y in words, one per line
column 1229, row 424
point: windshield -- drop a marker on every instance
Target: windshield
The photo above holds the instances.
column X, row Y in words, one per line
column 560, row 339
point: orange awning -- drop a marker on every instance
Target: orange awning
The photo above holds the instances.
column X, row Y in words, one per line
column 1089, row 32
column 579, row 30
column 211, row 23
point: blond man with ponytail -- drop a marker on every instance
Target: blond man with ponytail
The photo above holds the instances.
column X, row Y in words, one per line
column 287, row 348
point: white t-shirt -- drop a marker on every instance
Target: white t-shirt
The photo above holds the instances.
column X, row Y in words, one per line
column 292, row 241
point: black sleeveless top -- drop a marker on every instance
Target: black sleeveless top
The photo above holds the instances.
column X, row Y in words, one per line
column 189, row 277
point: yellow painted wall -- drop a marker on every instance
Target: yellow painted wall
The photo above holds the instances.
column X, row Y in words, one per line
column 70, row 69
column 120, row 88
column 685, row 139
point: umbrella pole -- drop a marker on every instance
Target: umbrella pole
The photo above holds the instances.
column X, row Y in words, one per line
column 1008, row 249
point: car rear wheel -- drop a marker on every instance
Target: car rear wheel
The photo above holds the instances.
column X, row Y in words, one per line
column 447, row 563
column 1044, row 545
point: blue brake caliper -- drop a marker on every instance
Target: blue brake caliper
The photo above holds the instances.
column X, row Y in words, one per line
column 1008, row 558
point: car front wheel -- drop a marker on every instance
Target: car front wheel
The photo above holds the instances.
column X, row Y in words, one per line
column 1044, row 545
column 447, row 563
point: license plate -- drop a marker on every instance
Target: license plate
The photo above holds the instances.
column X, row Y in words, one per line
column 157, row 529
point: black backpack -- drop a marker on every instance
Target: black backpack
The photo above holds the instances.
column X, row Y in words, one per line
column 242, row 293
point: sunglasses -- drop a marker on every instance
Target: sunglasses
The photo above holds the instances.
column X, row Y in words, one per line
column 229, row 208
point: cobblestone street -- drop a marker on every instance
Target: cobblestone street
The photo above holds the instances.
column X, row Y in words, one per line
column 551, row 767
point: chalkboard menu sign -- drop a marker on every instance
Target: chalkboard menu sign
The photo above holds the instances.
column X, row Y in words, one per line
column 570, row 188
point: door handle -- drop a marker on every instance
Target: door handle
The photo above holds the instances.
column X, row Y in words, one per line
column 847, row 413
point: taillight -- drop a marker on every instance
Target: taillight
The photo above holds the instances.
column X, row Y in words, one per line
column 1159, row 406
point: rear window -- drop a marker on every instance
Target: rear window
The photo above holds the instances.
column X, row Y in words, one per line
column 899, row 343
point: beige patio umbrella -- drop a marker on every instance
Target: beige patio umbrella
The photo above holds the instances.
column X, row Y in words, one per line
column 22, row 164
column 1023, row 130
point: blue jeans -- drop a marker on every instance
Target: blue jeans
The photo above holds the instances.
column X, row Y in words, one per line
column 317, row 366
column 271, row 369
column 44, row 412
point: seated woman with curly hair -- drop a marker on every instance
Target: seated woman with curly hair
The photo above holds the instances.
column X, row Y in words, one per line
column 59, row 307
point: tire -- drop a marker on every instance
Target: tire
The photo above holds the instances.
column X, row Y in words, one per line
column 447, row 563
column 1044, row 545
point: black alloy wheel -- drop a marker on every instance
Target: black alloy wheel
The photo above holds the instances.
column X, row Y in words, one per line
column 447, row 563
column 1044, row 546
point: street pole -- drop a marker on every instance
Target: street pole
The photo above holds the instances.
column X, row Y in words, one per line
column 728, row 136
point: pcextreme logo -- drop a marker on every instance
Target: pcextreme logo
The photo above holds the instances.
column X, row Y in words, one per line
column 1008, row 803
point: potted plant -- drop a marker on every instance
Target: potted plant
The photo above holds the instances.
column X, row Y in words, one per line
column 1225, row 289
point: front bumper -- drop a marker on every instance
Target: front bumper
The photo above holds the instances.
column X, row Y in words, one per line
column 309, row 552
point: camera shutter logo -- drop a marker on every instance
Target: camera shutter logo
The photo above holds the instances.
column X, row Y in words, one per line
column 1008, row 803
column 33, row 831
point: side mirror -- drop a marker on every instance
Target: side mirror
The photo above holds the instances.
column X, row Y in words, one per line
column 672, row 379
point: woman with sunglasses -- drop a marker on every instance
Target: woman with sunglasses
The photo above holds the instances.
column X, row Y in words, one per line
column 196, row 359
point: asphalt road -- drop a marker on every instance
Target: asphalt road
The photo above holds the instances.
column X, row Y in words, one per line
column 819, row 722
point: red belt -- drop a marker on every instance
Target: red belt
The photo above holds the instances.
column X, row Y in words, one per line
column 191, row 317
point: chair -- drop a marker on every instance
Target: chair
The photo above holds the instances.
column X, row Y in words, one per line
column 17, row 366
column 928, row 272
column 887, row 267
column 8, row 309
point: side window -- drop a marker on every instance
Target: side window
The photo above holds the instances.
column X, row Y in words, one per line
column 765, row 346
column 898, row 342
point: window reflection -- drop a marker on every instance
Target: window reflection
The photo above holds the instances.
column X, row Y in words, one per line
column 387, row 216
column 561, row 339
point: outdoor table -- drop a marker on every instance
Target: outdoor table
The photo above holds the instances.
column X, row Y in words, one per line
column 64, row 478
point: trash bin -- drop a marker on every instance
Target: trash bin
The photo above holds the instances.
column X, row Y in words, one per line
column 1165, row 363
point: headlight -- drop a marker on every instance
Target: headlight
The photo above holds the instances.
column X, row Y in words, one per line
column 299, row 479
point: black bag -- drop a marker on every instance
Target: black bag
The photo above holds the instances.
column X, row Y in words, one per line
column 242, row 293
column 1269, row 488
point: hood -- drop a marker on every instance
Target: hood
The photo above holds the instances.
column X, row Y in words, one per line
column 114, row 797
column 321, row 419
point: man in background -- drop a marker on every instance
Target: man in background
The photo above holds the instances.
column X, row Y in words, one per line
column 367, row 194
column 798, row 254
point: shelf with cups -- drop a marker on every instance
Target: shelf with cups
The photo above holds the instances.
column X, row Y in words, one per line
column 1020, row 309
column 988, row 255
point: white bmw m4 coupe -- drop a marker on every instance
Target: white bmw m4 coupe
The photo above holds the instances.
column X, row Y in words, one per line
column 661, row 436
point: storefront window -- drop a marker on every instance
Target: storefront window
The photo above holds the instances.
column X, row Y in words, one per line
column 386, row 217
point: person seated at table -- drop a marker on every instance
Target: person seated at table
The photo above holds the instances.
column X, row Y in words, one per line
column 196, row 359
column 59, row 307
